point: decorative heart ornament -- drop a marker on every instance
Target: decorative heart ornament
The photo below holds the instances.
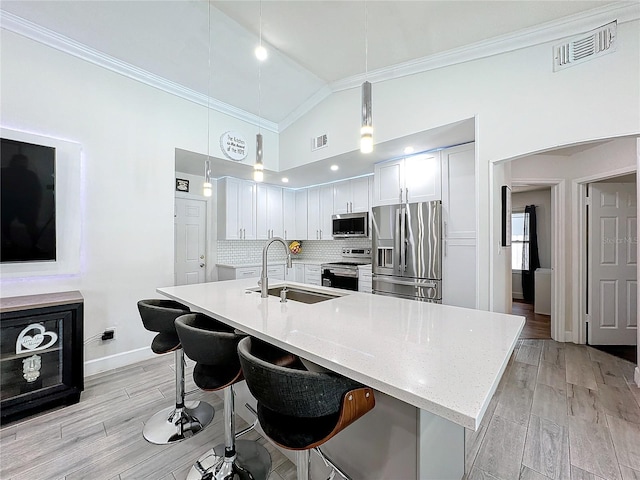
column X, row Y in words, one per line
column 33, row 343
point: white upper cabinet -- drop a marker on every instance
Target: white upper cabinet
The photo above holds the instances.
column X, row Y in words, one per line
column 351, row 196
column 301, row 215
column 269, row 212
column 319, row 211
column 289, row 213
column 409, row 180
column 236, row 209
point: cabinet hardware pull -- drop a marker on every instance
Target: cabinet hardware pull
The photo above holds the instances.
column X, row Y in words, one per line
column 406, row 195
column 401, row 195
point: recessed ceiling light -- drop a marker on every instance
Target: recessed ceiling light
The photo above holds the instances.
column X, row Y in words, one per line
column 285, row 180
column 261, row 53
column 334, row 167
column 408, row 150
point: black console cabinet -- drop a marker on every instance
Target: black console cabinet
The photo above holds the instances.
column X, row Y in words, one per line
column 41, row 353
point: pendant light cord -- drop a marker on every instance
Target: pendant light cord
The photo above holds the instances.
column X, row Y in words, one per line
column 209, row 79
column 260, row 76
column 366, row 41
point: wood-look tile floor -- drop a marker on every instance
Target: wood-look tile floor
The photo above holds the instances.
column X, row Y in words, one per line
column 562, row 411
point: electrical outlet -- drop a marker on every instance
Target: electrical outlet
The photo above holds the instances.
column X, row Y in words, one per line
column 108, row 334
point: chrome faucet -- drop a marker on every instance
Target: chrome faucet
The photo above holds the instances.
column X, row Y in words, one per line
column 264, row 281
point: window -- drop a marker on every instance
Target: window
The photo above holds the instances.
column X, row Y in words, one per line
column 519, row 241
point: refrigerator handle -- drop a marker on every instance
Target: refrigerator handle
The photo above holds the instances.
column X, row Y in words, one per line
column 445, row 238
column 403, row 240
column 398, row 243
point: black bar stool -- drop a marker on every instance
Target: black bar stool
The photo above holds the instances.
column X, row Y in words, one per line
column 183, row 420
column 299, row 409
column 213, row 346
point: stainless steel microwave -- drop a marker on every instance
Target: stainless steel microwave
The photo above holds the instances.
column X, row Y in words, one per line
column 350, row 225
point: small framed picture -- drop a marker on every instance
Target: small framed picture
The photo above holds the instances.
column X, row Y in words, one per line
column 182, row 185
column 506, row 216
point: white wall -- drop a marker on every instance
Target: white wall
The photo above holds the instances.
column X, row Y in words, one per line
column 128, row 132
column 614, row 156
column 520, row 106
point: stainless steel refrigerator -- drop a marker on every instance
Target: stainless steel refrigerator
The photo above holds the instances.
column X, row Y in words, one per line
column 407, row 251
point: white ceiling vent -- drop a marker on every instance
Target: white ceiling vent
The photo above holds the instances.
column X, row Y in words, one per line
column 584, row 47
column 319, row 142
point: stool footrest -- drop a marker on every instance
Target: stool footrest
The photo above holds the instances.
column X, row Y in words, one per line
column 251, row 462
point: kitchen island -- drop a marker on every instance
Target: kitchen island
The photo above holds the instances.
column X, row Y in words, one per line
column 442, row 363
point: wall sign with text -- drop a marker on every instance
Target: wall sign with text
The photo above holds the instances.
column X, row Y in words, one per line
column 233, row 146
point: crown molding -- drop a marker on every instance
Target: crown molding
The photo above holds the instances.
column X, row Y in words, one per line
column 25, row 28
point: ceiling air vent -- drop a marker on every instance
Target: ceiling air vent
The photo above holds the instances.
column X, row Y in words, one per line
column 584, row 47
column 318, row 142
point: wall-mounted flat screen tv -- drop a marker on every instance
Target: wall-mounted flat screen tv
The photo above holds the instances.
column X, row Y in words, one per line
column 27, row 203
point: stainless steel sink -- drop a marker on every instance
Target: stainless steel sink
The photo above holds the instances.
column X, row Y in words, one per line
column 300, row 295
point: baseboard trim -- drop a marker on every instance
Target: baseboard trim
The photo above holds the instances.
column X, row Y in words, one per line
column 517, row 296
column 636, row 376
column 99, row 365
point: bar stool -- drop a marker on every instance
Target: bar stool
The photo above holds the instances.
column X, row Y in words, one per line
column 213, row 346
column 299, row 409
column 183, row 420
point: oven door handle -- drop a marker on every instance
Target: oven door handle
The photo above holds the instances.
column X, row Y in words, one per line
column 340, row 272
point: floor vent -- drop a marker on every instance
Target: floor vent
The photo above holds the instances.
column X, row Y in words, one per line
column 584, row 47
column 319, row 142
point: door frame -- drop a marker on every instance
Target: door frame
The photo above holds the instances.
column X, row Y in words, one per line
column 579, row 255
column 210, row 272
column 558, row 247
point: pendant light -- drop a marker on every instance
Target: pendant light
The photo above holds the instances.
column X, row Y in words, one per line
column 366, row 130
column 207, row 188
column 258, row 168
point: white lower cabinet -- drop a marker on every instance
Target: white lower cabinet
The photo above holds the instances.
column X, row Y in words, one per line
column 233, row 273
column 365, row 279
column 312, row 274
column 274, row 272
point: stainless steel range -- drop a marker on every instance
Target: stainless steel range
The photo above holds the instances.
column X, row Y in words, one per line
column 344, row 274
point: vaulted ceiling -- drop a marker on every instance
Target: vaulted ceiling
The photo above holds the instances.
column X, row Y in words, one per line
column 314, row 46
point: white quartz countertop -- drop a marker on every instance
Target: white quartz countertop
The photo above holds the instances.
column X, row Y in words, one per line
column 446, row 360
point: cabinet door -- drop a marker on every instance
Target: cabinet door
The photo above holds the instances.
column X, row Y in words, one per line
column 274, row 211
column 459, row 192
column 342, row 197
column 326, row 210
column 262, row 226
column 313, row 213
column 229, row 209
column 289, row 213
column 459, row 273
column 247, row 209
column 302, row 215
column 299, row 272
column 422, row 178
column 360, row 194
column 388, row 182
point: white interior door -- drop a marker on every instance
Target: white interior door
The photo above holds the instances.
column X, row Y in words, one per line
column 612, row 264
column 190, row 240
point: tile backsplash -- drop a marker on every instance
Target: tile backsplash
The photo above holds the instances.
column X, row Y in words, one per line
column 239, row 252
